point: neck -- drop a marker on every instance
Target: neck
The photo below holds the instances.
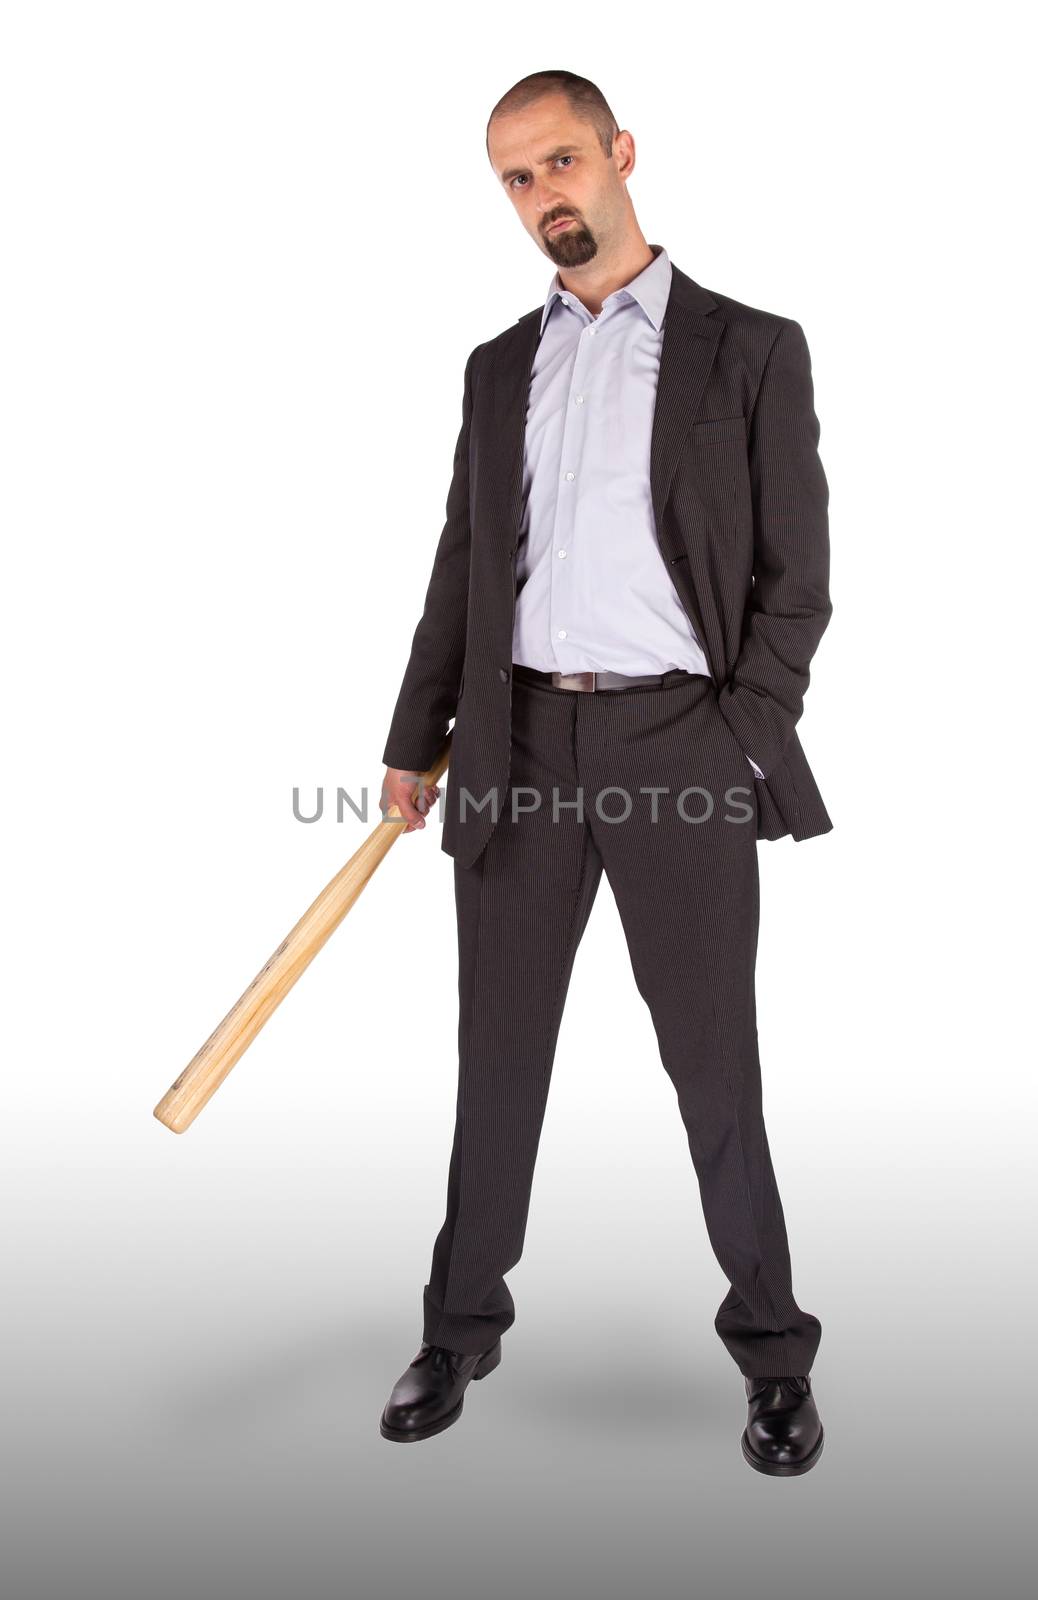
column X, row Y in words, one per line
column 599, row 278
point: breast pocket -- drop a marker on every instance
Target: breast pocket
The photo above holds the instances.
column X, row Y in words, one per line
column 718, row 430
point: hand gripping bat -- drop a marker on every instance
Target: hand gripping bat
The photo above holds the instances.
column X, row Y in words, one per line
column 202, row 1076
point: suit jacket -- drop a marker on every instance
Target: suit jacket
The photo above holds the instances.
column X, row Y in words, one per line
column 741, row 508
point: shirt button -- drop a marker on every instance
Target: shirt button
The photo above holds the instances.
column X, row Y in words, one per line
column 562, row 633
column 502, row 674
column 569, row 475
column 562, row 555
column 592, row 330
column 580, row 399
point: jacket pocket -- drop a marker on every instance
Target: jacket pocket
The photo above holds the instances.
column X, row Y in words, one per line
column 717, row 429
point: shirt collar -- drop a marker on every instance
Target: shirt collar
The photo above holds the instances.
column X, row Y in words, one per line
column 651, row 289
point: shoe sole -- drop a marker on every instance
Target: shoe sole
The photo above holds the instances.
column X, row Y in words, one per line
column 782, row 1469
column 412, row 1435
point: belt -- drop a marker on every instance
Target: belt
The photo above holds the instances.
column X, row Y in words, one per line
column 598, row 680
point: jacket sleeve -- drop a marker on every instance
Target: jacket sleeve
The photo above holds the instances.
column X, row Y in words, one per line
column 428, row 694
column 789, row 607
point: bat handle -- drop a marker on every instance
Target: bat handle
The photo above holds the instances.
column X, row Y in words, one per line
column 433, row 774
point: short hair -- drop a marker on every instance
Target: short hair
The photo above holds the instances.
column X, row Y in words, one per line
column 585, row 98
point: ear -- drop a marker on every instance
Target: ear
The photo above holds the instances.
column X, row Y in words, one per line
column 623, row 153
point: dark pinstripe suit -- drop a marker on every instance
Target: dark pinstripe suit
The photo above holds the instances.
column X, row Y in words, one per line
column 740, row 501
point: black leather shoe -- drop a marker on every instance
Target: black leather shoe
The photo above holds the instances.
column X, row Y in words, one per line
column 784, row 1433
column 429, row 1396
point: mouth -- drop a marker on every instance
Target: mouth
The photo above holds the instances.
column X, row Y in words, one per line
column 564, row 222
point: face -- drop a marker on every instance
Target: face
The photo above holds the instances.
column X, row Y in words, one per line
column 554, row 170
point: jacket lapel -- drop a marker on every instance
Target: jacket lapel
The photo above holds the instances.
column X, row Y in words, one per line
column 513, row 370
column 689, row 344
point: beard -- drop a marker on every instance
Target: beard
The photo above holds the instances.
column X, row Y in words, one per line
column 573, row 247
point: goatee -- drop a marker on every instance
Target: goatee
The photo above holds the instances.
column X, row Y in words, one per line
column 571, row 247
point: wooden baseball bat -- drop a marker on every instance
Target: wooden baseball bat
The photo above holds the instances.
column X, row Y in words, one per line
column 202, row 1076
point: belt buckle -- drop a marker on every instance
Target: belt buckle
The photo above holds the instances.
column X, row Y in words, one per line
column 573, row 680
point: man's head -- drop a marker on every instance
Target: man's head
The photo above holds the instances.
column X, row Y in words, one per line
column 557, row 152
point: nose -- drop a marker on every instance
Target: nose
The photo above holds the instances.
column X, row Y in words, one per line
column 548, row 199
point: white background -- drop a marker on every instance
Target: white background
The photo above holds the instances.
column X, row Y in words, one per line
column 247, row 250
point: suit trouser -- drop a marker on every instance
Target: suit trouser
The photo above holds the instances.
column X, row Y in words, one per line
column 687, row 894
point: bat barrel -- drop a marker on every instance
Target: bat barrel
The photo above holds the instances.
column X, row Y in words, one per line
column 206, row 1071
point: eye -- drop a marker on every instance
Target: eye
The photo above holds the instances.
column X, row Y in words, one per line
column 515, row 180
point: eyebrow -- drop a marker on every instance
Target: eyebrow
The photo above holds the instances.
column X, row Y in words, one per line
column 561, row 150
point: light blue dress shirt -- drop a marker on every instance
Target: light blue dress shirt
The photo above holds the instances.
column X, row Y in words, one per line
column 593, row 590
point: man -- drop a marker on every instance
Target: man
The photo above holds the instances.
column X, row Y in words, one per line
column 627, row 592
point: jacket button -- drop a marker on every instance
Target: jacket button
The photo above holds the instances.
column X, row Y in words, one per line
column 502, row 674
